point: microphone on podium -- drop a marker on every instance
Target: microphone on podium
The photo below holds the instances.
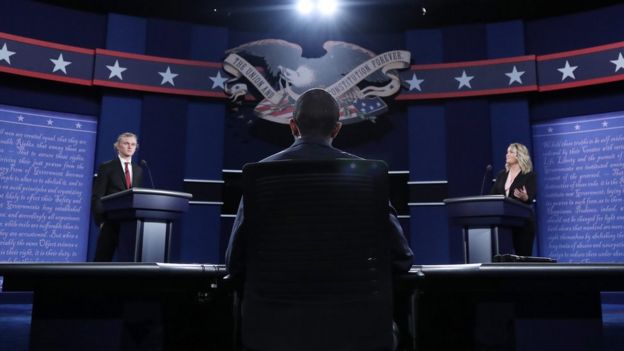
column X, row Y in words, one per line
column 144, row 163
column 488, row 169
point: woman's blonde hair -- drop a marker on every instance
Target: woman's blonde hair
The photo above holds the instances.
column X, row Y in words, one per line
column 522, row 154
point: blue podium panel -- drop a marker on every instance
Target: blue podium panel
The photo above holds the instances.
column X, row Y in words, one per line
column 486, row 224
column 146, row 217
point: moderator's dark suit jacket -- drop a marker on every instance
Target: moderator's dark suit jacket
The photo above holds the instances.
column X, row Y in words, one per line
column 111, row 179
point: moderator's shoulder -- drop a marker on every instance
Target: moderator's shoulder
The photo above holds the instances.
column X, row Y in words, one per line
column 344, row 154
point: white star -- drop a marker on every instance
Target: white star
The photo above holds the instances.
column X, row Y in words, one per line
column 217, row 81
column 116, row 70
column 550, row 130
column 20, row 118
column 464, row 80
column 605, row 124
column 619, row 63
column 5, row 54
column 50, row 122
column 514, row 76
column 167, row 76
column 78, row 125
column 567, row 71
column 577, row 127
column 414, row 83
column 60, row 64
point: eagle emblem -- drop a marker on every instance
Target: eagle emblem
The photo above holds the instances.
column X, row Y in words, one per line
column 276, row 70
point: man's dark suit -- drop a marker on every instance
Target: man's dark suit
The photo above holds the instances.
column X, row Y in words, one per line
column 110, row 179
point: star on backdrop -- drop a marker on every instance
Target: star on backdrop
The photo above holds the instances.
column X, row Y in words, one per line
column 414, row 83
column 116, row 70
column 514, row 76
column 167, row 76
column 567, row 71
column 60, row 64
column 5, row 54
column 217, row 81
column 619, row 63
column 464, row 80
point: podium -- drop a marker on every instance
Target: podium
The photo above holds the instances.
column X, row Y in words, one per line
column 146, row 222
column 486, row 221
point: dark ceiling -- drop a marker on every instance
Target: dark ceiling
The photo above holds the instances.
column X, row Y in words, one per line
column 364, row 15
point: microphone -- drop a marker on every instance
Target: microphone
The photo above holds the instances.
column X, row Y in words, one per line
column 488, row 169
column 144, row 163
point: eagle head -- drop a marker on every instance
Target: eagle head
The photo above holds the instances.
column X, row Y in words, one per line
column 303, row 76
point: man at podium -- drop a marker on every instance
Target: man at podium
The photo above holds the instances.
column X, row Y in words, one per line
column 517, row 181
column 114, row 176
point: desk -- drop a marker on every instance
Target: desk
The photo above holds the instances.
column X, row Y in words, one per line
column 510, row 306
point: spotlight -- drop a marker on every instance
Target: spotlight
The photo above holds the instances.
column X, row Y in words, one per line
column 305, row 6
column 327, row 7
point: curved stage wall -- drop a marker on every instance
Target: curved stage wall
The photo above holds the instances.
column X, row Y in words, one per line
column 440, row 147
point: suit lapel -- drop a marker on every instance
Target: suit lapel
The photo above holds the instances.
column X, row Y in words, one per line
column 122, row 175
column 514, row 185
column 135, row 173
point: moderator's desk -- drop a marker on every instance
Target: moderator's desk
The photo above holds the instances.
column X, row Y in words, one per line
column 189, row 306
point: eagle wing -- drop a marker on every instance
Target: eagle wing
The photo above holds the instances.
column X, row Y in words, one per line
column 274, row 52
column 344, row 57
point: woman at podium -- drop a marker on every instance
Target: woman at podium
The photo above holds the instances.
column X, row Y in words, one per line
column 517, row 181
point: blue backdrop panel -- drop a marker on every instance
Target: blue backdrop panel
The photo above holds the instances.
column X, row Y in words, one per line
column 201, row 235
column 427, row 142
column 580, row 164
column 430, row 235
column 427, row 162
column 505, row 39
column 575, row 31
column 126, row 33
column 52, row 23
column 510, row 123
column 46, row 165
column 200, row 239
column 120, row 110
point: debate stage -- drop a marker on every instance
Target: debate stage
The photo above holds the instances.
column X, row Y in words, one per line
column 153, row 306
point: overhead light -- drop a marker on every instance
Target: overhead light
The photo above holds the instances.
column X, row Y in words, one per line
column 327, row 7
column 305, row 7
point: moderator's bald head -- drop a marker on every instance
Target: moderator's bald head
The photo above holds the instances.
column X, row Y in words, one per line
column 316, row 113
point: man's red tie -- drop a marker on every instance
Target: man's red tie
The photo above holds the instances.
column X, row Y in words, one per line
column 128, row 179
